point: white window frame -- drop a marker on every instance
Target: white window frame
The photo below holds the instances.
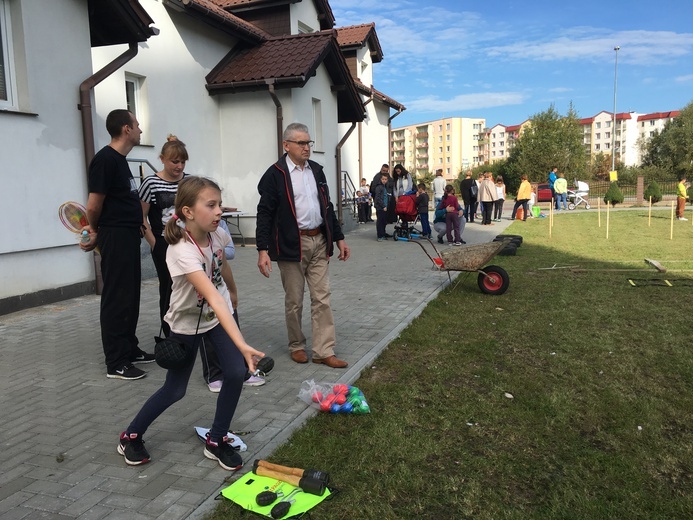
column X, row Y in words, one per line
column 317, row 125
column 8, row 73
column 139, row 100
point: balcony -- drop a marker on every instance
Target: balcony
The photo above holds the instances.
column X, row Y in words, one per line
column 422, row 145
column 421, row 135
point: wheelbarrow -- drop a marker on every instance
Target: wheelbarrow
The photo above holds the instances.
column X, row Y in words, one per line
column 492, row 279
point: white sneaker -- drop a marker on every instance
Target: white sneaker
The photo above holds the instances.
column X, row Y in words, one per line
column 254, row 381
column 683, row 218
column 215, row 386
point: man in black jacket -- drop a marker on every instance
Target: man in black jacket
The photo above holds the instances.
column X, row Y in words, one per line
column 296, row 227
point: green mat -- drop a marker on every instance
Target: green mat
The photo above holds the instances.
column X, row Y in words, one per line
column 246, row 488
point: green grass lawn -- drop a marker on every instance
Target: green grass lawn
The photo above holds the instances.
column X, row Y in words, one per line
column 568, row 397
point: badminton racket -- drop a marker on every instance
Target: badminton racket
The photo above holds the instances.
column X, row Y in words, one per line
column 74, row 217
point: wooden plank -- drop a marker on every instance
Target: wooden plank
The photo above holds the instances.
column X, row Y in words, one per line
column 656, row 265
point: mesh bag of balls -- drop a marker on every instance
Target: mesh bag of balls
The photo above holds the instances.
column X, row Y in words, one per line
column 334, row 398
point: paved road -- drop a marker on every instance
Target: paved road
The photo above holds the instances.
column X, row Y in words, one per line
column 61, row 416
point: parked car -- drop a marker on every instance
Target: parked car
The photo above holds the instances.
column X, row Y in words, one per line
column 543, row 193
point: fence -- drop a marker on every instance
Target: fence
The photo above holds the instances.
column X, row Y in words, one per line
column 599, row 188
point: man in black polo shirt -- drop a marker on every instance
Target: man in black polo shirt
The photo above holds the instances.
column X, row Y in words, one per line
column 115, row 224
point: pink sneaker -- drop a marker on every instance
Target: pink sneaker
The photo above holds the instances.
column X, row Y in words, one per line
column 214, row 386
column 254, row 381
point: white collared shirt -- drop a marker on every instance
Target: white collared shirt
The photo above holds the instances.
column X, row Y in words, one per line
column 305, row 195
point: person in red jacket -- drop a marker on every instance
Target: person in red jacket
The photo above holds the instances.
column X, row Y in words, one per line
column 297, row 228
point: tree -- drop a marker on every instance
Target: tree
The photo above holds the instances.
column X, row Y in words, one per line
column 672, row 148
column 613, row 195
column 549, row 140
column 653, row 190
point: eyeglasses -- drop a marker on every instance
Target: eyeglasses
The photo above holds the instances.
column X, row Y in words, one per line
column 302, row 144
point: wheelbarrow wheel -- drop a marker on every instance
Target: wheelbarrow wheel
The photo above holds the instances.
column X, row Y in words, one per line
column 493, row 280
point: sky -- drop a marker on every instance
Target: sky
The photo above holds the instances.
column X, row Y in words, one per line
column 507, row 60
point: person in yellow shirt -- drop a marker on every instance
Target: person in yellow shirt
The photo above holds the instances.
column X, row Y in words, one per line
column 523, row 196
column 681, row 198
column 561, row 189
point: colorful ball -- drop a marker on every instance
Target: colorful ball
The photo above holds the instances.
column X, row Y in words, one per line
column 317, row 397
column 335, row 408
column 325, row 406
column 340, row 389
column 341, row 399
column 330, row 398
column 347, row 408
column 353, row 391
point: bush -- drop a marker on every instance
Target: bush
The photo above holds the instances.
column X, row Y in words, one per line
column 653, row 190
column 613, row 195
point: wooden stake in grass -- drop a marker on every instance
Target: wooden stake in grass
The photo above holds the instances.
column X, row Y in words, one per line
column 649, row 215
column 671, row 230
column 607, row 221
column 599, row 212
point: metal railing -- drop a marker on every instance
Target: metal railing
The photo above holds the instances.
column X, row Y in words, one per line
column 349, row 195
column 141, row 163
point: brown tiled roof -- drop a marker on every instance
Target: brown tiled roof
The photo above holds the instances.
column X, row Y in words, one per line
column 387, row 100
column 355, row 36
column 323, row 8
column 288, row 62
column 659, row 115
column 210, row 12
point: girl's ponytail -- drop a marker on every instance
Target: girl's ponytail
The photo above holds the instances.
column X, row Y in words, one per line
column 173, row 232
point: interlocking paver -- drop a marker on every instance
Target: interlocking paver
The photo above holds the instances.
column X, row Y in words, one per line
column 61, row 416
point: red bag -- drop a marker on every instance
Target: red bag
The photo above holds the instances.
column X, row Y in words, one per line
column 406, row 205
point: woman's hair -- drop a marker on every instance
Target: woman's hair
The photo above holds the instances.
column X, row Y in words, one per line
column 402, row 172
column 499, row 178
column 524, row 177
column 450, row 189
column 188, row 191
column 174, row 149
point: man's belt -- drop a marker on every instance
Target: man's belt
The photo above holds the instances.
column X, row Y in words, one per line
column 310, row 232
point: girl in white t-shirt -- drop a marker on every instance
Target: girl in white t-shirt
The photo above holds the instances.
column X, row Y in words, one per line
column 199, row 271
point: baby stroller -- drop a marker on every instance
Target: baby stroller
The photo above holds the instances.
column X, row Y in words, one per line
column 579, row 196
column 405, row 210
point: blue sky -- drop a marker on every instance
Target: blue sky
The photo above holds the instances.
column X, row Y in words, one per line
column 507, row 60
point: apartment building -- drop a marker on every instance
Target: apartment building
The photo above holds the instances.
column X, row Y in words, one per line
column 452, row 144
column 650, row 124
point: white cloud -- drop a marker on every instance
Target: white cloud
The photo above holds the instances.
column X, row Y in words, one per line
column 643, row 47
column 465, row 102
column 561, row 89
column 684, row 79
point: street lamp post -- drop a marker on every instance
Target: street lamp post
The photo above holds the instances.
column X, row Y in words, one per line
column 613, row 124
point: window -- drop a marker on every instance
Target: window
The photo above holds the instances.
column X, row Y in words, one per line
column 502, row 134
column 136, row 100
column 317, row 125
column 7, row 86
column 440, row 128
column 304, row 28
column 652, row 122
column 501, row 153
column 597, row 136
column 440, row 161
column 608, row 124
column 440, row 138
column 447, row 126
column 607, row 135
column 596, row 147
column 607, row 146
column 447, row 148
column 447, row 159
column 502, row 143
column 447, row 137
column 652, row 134
column 440, row 149
column 597, row 125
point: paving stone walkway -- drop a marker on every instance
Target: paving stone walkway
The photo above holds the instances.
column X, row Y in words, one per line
column 61, row 416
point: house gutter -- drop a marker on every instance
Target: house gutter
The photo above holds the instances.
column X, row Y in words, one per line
column 85, row 107
column 280, row 117
column 338, row 155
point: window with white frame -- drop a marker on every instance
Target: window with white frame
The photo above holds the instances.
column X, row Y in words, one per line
column 317, row 124
column 596, row 147
column 7, row 85
column 136, row 102
column 597, row 125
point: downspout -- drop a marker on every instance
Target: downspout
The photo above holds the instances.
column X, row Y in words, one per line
column 85, row 108
column 85, row 98
column 338, row 155
column 280, row 117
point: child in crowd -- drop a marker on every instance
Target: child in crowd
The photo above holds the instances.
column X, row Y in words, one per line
column 366, row 192
column 498, row 206
column 381, row 200
column 532, row 200
column 452, row 222
column 363, row 207
column 199, row 271
column 422, row 208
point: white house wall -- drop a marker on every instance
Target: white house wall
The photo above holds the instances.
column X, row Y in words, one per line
column 42, row 158
column 304, row 11
column 174, row 65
